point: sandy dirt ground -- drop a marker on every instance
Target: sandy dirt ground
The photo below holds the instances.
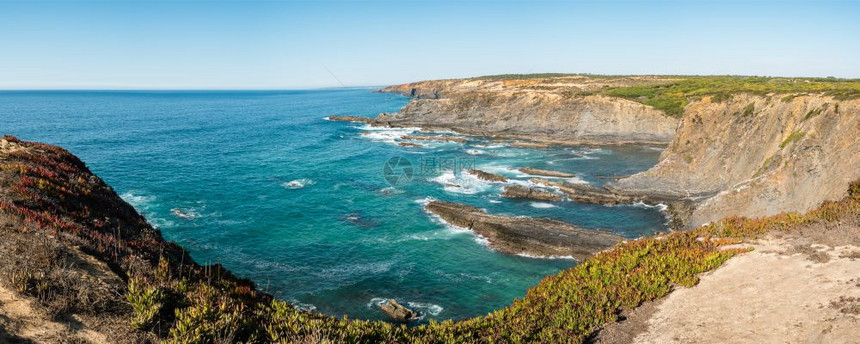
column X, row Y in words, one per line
column 798, row 288
column 20, row 316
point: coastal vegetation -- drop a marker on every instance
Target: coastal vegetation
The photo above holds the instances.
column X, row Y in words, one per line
column 671, row 93
column 56, row 200
column 794, row 136
column 673, row 96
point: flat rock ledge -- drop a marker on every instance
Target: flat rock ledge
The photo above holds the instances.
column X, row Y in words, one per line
column 539, row 237
column 355, row 119
column 398, row 312
column 586, row 193
column 547, row 173
column 519, row 191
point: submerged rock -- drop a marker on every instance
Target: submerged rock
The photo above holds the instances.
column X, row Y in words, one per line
column 547, row 173
column 357, row 219
column 398, row 312
column 490, row 177
column 409, row 144
column 519, row 191
column 538, row 237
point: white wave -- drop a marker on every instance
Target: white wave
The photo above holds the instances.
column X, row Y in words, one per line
column 390, row 191
column 419, row 237
column 462, row 183
column 158, row 222
column 450, row 132
column 488, row 146
column 298, row 183
column 425, row 201
column 385, row 134
column 425, row 308
column 144, row 205
column 511, row 153
column 327, row 118
column 487, row 279
column 541, row 205
column 659, row 206
column 475, row 152
column 187, row 214
column 376, row 301
column 303, row 306
column 572, row 180
column 545, row 257
column 591, row 150
column 368, row 127
column 421, row 307
column 503, row 170
column 482, row 240
column 137, row 201
column 495, row 201
column 575, row 180
column 451, row 229
column 444, row 234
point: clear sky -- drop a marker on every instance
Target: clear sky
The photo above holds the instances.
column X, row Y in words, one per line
column 290, row 44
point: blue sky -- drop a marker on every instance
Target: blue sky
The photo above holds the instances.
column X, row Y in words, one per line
column 291, row 44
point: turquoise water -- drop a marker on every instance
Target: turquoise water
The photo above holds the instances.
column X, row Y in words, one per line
column 260, row 182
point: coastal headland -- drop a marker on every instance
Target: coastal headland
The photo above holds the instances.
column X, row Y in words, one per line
column 764, row 172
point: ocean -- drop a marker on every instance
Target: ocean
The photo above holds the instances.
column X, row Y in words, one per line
column 327, row 215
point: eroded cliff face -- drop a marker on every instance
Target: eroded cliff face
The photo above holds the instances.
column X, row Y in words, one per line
column 553, row 112
column 749, row 155
column 756, row 156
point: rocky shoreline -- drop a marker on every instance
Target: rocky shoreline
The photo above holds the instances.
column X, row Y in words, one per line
column 747, row 153
column 538, row 237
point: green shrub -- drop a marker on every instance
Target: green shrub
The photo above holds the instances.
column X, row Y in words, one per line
column 145, row 301
column 749, row 109
column 794, row 136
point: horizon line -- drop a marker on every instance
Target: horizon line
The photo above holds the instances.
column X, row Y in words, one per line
column 557, row 74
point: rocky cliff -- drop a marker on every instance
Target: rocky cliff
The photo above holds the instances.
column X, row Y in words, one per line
column 737, row 146
column 758, row 155
column 559, row 110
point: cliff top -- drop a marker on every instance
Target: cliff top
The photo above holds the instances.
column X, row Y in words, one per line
column 669, row 93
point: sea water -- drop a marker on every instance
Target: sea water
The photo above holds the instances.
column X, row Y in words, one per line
column 262, row 183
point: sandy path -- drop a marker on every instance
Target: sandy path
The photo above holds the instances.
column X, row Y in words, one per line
column 782, row 292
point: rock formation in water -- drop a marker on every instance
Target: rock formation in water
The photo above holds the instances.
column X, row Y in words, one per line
column 398, row 312
column 519, row 191
column 490, row 177
column 522, row 235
